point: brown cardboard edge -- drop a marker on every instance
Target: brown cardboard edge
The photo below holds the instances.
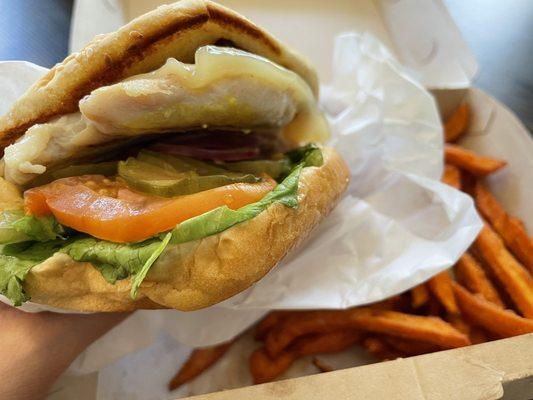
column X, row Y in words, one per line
column 480, row 372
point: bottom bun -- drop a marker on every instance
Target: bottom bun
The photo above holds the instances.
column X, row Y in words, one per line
column 200, row 273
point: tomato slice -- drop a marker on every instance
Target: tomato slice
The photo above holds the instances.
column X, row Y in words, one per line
column 109, row 210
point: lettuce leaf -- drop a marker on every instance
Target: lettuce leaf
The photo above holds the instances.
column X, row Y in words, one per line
column 16, row 227
column 141, row 274
column 118, row 261
column 8, row 234
column 223, row 218
column 41, row 229
column 114, row 260
column 15, row 263
column 13, row 271
column 310, row 155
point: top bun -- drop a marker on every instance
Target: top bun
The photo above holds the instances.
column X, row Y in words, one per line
column 144, row 44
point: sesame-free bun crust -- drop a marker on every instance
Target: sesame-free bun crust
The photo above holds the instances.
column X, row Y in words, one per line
column 144, row 44
column 200, row 273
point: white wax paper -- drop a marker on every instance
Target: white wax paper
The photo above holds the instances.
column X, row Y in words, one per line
column 396, row 226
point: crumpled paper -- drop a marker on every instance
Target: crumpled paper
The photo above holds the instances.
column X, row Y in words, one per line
column 396, row 226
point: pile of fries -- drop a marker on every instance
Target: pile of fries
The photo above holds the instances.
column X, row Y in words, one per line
column 487, row 295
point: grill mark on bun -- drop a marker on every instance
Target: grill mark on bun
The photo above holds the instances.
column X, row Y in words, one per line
column 226, row 43
column 226, row 19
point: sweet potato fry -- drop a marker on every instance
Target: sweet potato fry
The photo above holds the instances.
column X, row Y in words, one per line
column 468, row 181
column 459, row 323
column 326, row 343
column 265, row 368
column 427, row 329
column 390, row 303
column 452, row 176
column 470, row 161
column 381, row 350
column 457, row 124
column 269, row 321
column 434, row 306
column 515, row 279
column 511, row 229
column 476, row 334
column 419, row 296
column 502, row 322
column 415, row 327
column 295, row 326
column 410, row 347
column 321, row 365
column 199, row 360
column 470, row 274
column 441, row 287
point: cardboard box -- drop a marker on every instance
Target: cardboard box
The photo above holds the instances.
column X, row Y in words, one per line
column 489, row 371
column 423, row 37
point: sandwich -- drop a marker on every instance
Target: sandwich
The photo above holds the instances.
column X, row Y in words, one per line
column 170, row 164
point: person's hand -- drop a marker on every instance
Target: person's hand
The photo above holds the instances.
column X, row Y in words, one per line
column 35, row 348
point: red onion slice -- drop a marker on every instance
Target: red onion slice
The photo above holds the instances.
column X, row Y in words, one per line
column 235, row 154
column 217, row 139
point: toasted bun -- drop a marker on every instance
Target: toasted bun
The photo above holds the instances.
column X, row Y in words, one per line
column 143, row 45
column 201, row 273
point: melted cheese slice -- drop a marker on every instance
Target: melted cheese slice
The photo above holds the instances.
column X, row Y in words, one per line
column 225, row 88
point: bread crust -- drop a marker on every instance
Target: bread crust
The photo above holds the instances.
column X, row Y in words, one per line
column 200, row 273
column 143, row 45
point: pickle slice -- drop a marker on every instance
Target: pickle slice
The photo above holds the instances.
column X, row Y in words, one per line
column 273, row 168
column 105, row 168
column 155, row 160
column 149, row 178
column 134, row 168
column 180, row 163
